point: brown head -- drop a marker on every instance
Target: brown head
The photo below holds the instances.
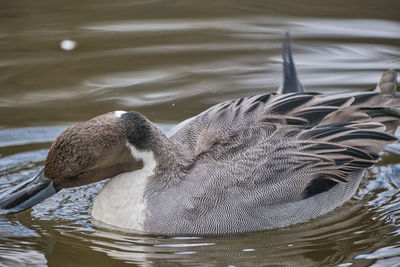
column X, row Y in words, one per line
column 90, row 151
column 85, row 153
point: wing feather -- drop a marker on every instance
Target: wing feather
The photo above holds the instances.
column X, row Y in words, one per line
column 302, row 143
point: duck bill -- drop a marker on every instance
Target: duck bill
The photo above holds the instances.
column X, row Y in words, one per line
column 26, row 195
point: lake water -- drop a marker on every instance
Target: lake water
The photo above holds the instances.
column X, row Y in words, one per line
column 63, row 62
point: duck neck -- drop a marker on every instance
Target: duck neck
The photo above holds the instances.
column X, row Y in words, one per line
column 146, row 137
column 168, row 155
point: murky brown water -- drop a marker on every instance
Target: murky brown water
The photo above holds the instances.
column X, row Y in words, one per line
column 170, row 60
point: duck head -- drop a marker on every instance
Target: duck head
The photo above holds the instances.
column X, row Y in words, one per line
column 84, row 153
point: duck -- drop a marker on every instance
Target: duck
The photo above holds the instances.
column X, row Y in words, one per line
column 250, row 164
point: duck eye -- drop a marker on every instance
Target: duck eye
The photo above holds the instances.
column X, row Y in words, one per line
column 83, row 173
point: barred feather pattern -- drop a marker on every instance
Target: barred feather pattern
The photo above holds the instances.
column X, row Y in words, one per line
column 274, row 154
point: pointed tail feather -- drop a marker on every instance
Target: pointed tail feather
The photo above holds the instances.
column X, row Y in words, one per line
column 291, row 84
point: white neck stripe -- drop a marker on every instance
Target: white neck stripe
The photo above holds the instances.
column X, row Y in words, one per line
column 149, row 163
column 119, row 113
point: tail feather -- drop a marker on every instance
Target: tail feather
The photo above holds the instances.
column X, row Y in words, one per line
column 291, row 84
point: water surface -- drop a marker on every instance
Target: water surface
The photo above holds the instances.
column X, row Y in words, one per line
column 170, row 60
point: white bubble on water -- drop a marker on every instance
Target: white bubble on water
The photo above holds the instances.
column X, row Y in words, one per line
column 68, row 45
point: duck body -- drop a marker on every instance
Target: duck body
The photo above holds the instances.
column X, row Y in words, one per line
column 249, row 164
column 255, row 163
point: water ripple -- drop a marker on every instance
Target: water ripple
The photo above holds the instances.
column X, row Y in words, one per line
column 170, row 68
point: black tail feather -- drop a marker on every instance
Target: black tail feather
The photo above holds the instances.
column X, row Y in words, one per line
column 291, row 83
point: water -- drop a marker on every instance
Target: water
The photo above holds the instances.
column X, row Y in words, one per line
column 65, row 62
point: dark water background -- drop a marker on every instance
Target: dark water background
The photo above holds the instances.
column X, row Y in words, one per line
column 170, row 60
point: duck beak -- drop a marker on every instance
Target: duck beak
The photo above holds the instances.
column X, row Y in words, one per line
column 26, row 195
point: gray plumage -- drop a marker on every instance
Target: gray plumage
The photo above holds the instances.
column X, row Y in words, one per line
column 271, row 160
column 255, row 165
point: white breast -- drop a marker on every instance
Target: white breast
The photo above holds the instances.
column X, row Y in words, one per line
column 121, row 203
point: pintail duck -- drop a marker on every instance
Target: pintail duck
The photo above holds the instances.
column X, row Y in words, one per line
column 249, row 164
